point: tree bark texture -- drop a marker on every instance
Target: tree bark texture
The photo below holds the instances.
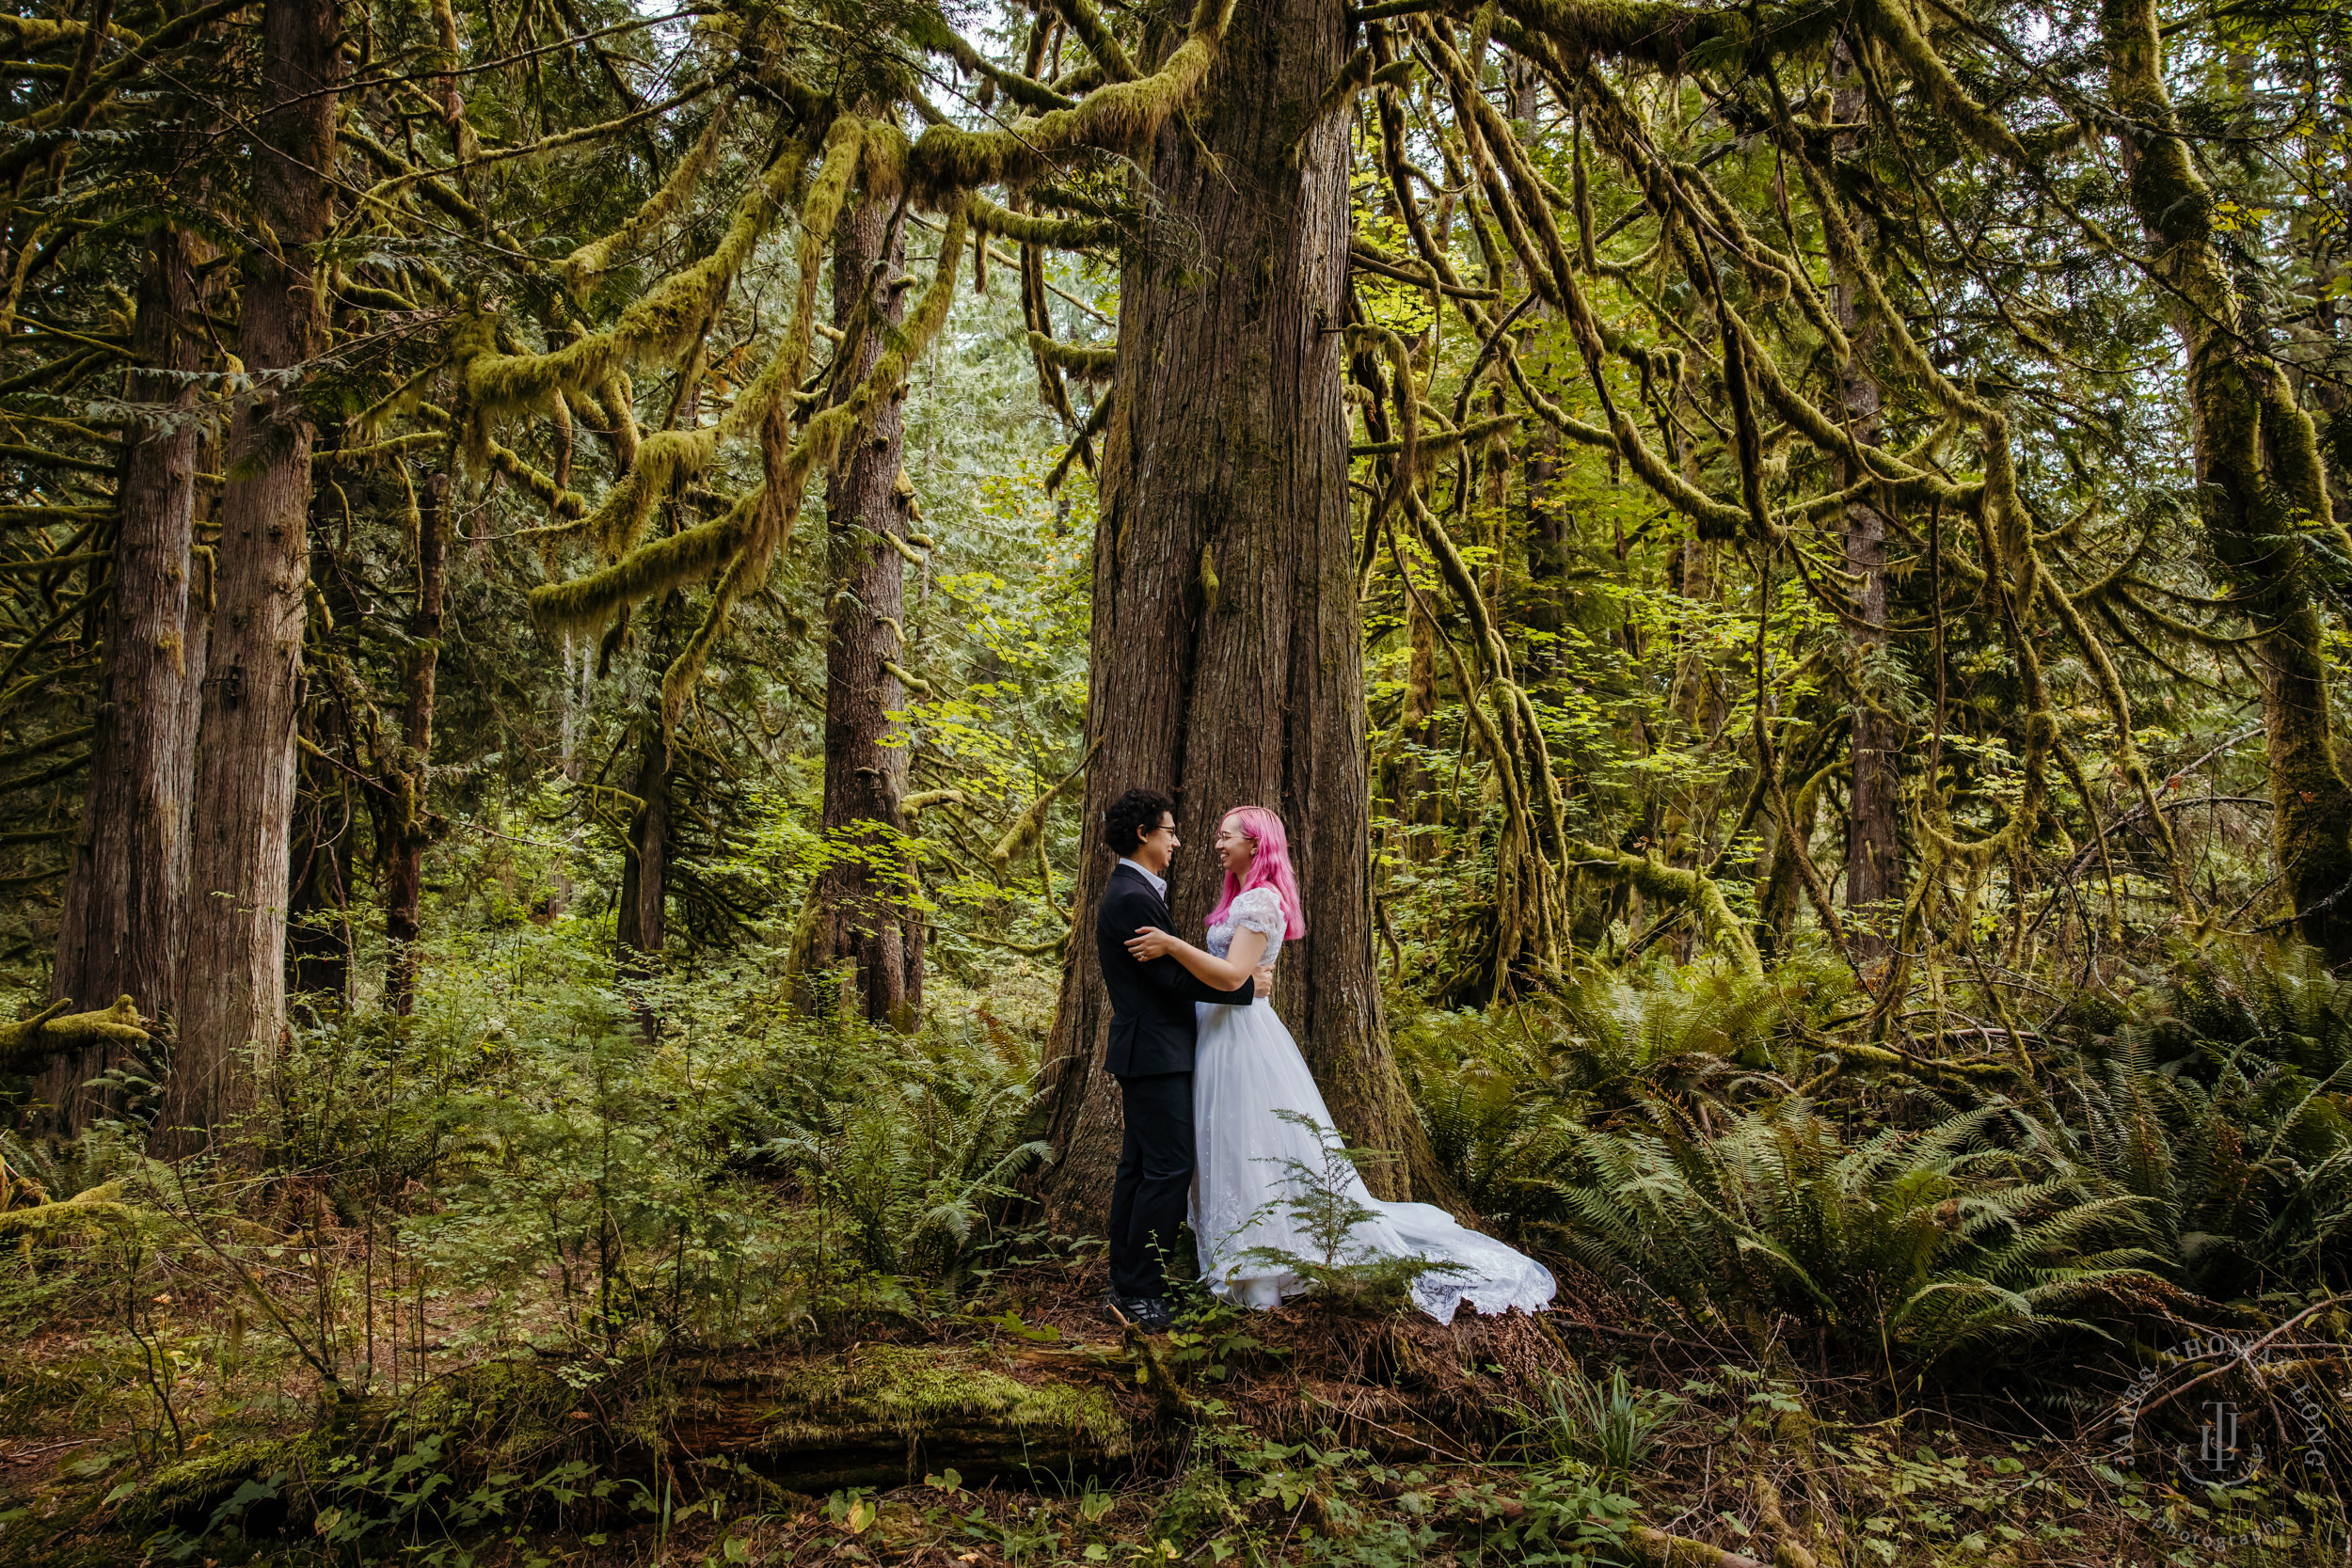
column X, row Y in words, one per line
column 1550, row 539
column 1783, row 889
column 1874, row 871
column 863, row 901
column 643, row 925
column 318, row 892
column 319, row 944
column 2260, row 484
column 233, row 990
column 126, row 906
column 1226, row 656
column 404, row 831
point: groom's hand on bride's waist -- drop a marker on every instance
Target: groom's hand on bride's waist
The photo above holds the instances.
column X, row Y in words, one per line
column 1265, row 981
column 1149, row 943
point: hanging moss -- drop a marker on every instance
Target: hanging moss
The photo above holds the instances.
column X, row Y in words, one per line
column 1671, row 36
column 1107, row 54
column 1096, row 423
column 1890, row 22
column 509, row 463
column 882, row 160
column 653, row 567
column 1678, row 886
column 661, row 460
column 662, row 322
column 585, row 264
column 820, row 446
column 24, row 37
column 931, row 29
column 949, row 160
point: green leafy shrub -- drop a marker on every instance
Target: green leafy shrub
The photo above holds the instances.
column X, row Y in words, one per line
column 910, row 1169
column 2226, row 1106
column 1500, row 1092
column 1911, row 1247
column 1613, row 1426
column 1318, row 1198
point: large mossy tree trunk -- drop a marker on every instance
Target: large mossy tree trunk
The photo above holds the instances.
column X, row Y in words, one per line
column 1225, row 638
column 232, row 979
column 2261, row 488
column 863, row 910
column 124, row 918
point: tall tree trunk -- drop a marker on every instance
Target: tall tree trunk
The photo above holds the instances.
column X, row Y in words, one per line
column 1550, row 540
column 863, row 901
column 2260, row 485
column 1226, row 647
column 1874, row 871
column 1418, row 803
column 1781, row 888
column 319, row 948
column 318, row 892
column 233, row 990
column 126, row 895
column 404, row 832
column 643, row 921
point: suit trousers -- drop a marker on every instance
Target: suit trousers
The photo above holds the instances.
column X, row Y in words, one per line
column 1154, row 1184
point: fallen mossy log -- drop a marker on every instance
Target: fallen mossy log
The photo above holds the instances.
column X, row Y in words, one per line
column 30, row 1040
column 887, row 1415
column 1044, row 1418
column 95, row 1209
column 879, row 1416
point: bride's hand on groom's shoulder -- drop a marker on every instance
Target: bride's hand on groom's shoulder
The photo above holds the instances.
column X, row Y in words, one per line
column 1151, row 943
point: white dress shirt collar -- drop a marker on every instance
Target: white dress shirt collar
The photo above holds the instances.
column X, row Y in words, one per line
column 1159, row 883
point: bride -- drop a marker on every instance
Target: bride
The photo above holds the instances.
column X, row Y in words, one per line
column 1258, row 1116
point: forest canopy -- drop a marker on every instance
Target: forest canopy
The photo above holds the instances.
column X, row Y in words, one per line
column 576, row 581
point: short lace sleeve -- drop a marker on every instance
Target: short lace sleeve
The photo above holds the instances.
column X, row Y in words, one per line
column 1259, row 910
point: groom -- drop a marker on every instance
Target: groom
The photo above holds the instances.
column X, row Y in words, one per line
column 1152, row 1038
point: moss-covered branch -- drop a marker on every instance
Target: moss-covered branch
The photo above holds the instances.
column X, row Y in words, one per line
column 947, row 159
column 820, row 446
column 585, row 264
column 30, row 1041
column 1060, row 233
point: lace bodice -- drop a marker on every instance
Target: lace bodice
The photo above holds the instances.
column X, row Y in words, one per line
column 1258, row 909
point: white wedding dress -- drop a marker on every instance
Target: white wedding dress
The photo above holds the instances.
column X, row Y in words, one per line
column 1247, row 1072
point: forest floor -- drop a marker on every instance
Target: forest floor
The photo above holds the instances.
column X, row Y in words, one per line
column 1030, row 1428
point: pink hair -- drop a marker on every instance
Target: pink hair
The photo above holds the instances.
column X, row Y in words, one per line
column 1270, row 867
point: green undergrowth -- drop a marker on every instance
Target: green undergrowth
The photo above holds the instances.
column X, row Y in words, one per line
column 525, row 1279
column 1764, row 1466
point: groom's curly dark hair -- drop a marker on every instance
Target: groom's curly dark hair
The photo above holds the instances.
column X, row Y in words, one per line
column 1134, row 815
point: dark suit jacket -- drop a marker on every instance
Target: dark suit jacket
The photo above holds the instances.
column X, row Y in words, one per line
column 1153, row 1029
